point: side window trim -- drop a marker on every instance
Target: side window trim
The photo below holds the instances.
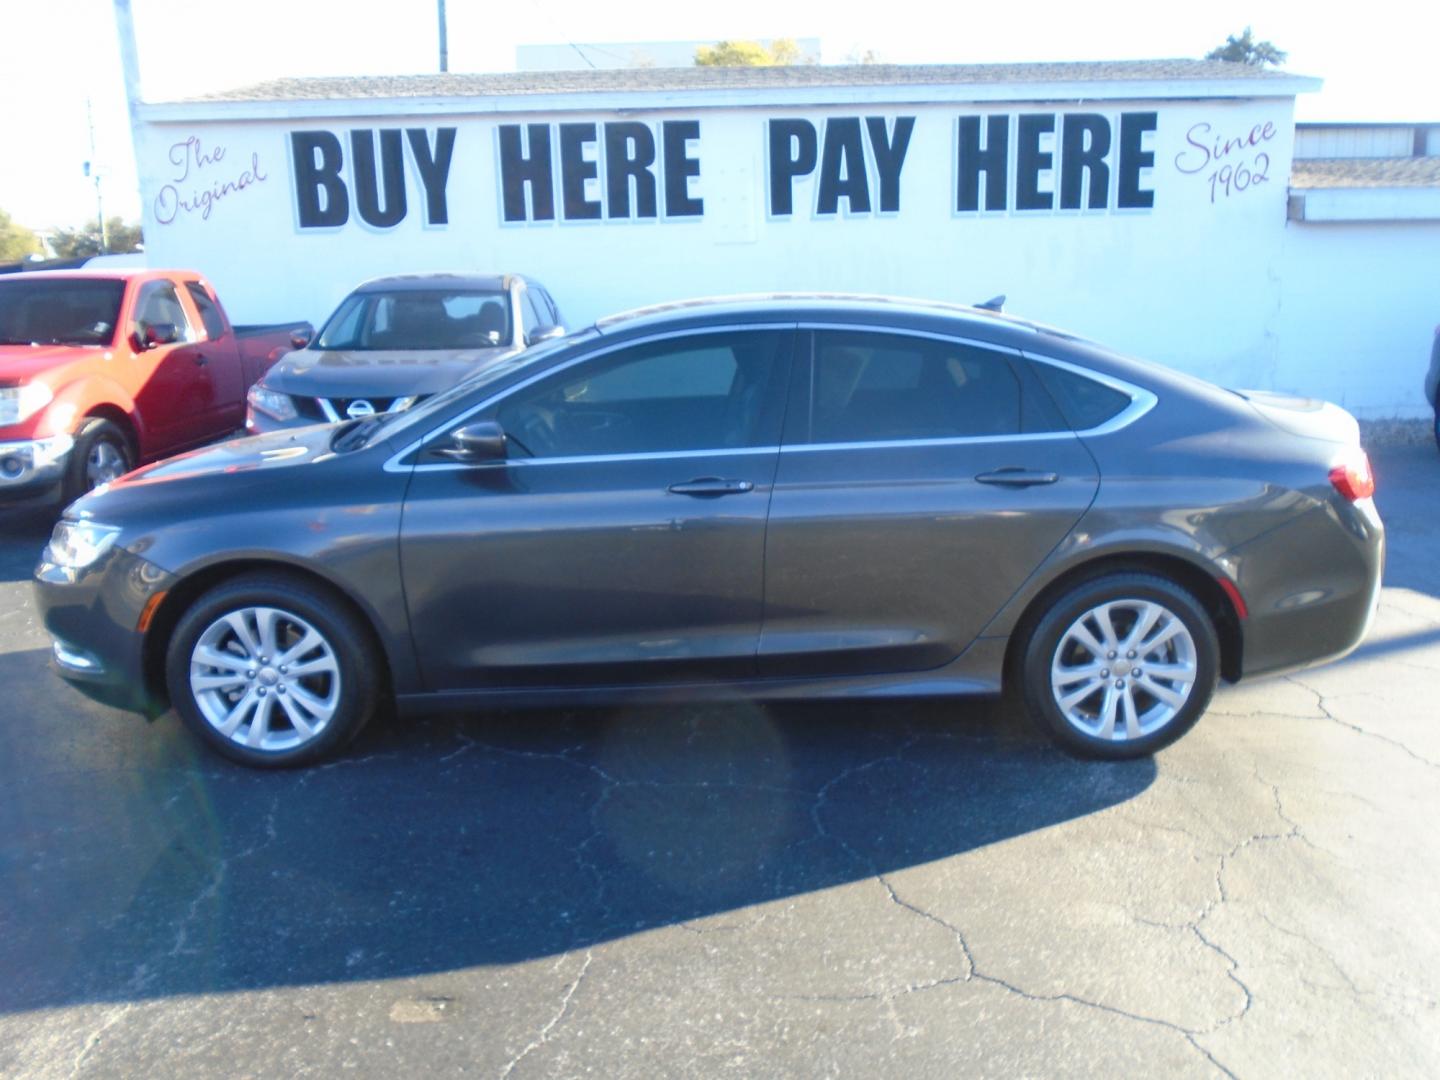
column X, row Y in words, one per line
column 398, row 462
column 1141, row 400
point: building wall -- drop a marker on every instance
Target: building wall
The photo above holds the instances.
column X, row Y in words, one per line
column 1193, row 281
column 1358, row 314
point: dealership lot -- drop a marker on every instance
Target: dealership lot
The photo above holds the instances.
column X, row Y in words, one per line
column 742, row 890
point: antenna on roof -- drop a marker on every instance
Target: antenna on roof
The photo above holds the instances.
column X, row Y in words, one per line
column 995, row 303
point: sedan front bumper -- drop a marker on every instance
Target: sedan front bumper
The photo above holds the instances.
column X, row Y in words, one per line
column 96, row 617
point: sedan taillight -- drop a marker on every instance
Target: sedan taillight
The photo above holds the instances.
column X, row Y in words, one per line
column 1352, row 477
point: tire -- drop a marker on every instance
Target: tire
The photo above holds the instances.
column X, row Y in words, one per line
column 102, row 453
column 1437, row 425
column 221, row 674
column 1123, row 716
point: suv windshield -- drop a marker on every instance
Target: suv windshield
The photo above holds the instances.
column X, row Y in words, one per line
column 419, row 319
column 65, row 311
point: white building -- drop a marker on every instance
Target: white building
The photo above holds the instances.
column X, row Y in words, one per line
column 1147, row 204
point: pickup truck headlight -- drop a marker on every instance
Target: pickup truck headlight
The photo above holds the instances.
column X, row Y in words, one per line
column 19, row 403
column 273, row 404
column 75, row 545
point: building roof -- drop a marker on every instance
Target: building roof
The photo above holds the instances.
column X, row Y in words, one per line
column 1410, row 172
column 651, row 80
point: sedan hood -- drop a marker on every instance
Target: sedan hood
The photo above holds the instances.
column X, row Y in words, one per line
column 1307, row 417
column 225, row 473
column 388, row 374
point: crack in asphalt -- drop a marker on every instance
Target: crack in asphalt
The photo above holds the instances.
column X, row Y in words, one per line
column 97, row 1036
column 543, row 1035
column 1325, row 709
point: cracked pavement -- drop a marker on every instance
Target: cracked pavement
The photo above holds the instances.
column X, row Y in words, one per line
column 917, row 889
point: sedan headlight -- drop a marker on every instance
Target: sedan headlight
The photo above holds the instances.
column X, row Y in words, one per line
column 273, row 404
column 77, row 544
column 19, row 403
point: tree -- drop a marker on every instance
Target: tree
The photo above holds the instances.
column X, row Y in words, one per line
column 781, row 52
column 1246, row 50
column 78, row 243
column 16, row 241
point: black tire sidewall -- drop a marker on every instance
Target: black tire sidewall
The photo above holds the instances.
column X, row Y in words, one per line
column 359, row 683
column 1044, row 637
column 93, row 431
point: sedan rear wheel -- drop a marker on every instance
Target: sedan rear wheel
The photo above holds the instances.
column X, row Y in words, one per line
column 1120, row 666
column 271, row 671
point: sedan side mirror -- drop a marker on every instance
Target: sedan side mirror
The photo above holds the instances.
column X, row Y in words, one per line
column 153, row 335
column 476, row 443
column 300, row 337
column 544, row 333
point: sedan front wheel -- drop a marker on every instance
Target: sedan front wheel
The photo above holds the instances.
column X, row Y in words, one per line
column 271, row 671
column 1120, row 666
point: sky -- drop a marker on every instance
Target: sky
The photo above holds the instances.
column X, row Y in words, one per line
column 1377, row 59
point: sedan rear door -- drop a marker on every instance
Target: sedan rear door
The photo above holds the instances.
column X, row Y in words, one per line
column 921, row 480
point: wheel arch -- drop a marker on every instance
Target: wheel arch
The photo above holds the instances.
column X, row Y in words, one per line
column 1195, row 579
column 121, row 419
column 181, row 595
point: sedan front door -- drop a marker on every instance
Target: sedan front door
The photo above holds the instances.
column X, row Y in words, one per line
column 622, row 539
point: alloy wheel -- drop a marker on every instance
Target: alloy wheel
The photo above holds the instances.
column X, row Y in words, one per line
column 1123, row 670
column 265, row 678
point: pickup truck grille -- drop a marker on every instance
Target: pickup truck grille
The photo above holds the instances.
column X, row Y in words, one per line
column 331, row 409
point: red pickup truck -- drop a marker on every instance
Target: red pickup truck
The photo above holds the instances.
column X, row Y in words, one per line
column 100, row 372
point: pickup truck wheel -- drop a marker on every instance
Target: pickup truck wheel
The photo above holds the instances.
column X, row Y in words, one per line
column 102, row 453
column 271, row 671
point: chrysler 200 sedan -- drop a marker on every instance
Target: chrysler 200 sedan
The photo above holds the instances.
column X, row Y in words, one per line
column 783, row 497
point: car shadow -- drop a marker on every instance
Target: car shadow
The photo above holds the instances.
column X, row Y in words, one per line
column 23, row 532
column 138, row 866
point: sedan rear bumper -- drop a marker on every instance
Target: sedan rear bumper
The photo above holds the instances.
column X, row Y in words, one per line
column 1311, row 586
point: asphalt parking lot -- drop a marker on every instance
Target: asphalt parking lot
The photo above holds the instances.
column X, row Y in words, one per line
column 916, row 890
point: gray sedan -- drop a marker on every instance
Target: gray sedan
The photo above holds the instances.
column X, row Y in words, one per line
column 785, row 497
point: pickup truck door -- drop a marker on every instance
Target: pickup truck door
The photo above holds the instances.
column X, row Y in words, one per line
column 219, row 357
column 174, row 391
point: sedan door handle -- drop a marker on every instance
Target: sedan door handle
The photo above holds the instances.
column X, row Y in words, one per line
column 1016, row 477
column 711, row 486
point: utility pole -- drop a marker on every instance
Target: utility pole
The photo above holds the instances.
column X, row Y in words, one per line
column 92, row 170
column 444, row 46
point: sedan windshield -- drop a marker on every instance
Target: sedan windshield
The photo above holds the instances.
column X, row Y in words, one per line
column 419, row 319
column 62, row 311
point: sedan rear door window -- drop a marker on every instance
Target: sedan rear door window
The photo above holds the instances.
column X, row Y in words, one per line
column 869, row 387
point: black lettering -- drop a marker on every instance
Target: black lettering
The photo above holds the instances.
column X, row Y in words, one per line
column 844, row 148
column 793, row 152
column 1030, row 161
column 321, row 199
column 629, row 155
column 519, row 171
column 889, row 157
column 1085, row 140
column 1133, row 158
column 434, row 169
column 679, row 167
column 575, row 170
column 369, row 182
column 971, row 160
